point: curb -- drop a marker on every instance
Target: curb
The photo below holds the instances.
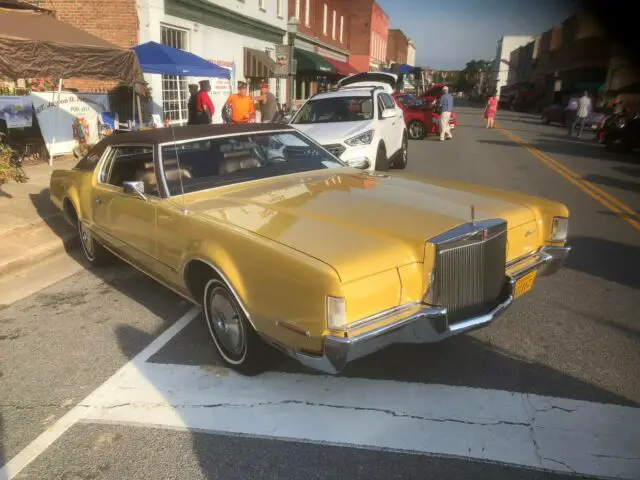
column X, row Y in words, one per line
column 60, row 243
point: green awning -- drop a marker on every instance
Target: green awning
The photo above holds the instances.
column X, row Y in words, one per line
column 309, row 62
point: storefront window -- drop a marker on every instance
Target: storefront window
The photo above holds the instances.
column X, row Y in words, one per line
column 175, row 92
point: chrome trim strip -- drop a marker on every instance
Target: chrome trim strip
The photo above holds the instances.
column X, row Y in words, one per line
column 415, row 323
column 378, row 316
column 293, row 328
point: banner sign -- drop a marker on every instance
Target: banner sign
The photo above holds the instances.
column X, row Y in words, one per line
column 71, row 120
column 17, row 111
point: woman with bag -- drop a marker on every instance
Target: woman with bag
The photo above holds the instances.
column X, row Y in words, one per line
column 490, row 110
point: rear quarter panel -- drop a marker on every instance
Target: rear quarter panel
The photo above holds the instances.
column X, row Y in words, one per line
column 74, row 185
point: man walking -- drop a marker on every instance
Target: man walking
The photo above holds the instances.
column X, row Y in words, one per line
column 584, row 108
column 446, row 107
column 268, row 104
column 192, row 105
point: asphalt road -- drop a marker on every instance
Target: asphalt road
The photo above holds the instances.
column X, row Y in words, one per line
column 166, row 408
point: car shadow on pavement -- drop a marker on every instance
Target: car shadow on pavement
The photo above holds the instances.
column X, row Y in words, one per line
column 606, row 259
column 460, row 361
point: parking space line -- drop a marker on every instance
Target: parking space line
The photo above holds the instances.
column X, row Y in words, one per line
column 616, row 206
column 14, row 466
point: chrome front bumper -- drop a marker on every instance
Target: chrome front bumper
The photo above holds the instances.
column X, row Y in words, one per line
column 420, row 323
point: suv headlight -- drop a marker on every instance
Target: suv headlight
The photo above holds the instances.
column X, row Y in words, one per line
column 336, row 313
column 559, row 229
column 363, row 139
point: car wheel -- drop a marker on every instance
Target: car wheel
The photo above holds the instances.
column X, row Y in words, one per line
column 96, row 254
column 233, row 335
column 417, row 130
column 402, row 156
column 382, row 162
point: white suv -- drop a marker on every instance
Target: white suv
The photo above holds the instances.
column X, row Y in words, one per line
column 359, row 123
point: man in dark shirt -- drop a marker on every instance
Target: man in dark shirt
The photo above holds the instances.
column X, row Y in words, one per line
column 268, row 103
column 204, row 104
column 192, row 104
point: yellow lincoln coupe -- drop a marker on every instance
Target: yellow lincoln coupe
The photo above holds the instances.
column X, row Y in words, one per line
column 285, row 245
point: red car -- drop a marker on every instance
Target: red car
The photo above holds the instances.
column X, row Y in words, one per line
column 420, row 118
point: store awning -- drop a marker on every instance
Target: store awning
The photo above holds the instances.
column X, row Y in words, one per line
column 309, row 62
column 342, row 68
column 258, row 64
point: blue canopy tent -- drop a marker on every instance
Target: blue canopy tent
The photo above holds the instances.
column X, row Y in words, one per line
column 157, row 58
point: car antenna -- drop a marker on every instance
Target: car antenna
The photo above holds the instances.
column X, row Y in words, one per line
column 175, row 148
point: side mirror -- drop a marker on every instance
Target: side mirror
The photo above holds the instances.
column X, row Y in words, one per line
column 361, row 163
column 389, row 113
column 135, row 189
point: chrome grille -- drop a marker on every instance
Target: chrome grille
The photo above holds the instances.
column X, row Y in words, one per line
column 336, row 149
column 469, row 274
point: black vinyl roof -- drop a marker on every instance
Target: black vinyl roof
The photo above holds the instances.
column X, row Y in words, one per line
column 176, row 134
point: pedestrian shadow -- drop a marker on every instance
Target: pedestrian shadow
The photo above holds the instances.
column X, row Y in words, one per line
column 613, row 182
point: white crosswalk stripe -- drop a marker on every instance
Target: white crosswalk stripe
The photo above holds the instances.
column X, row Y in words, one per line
column 521, row 429
column 513, row 428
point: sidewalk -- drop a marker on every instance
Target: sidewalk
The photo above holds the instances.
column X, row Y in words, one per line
column 31, row 228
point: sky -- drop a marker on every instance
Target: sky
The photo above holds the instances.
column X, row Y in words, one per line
column 447, row 34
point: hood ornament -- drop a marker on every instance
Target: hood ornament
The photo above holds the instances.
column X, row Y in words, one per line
column 473, row 215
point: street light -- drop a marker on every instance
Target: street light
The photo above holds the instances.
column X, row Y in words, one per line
column 292, row 30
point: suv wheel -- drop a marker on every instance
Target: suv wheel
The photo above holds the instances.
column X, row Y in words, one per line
column 382, row 162
column 401, row 157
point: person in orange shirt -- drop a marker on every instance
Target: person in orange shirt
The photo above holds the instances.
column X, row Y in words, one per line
column 243, row 108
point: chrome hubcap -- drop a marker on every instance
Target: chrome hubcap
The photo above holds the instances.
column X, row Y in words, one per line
column 416, row 131
column 226, row 322
column 87, row 240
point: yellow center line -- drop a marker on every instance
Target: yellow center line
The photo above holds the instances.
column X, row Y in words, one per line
column 616, row 206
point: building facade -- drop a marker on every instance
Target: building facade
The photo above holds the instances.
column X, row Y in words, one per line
column 321, row 44
column 369, row 35
column 238, row 35
column 397, row 47
column 411, row 54
column 501, row 63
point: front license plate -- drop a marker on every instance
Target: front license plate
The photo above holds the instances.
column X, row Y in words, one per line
column 524, row 284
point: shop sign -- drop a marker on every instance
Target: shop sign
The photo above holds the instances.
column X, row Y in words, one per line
column 71, row 119
column 282, row 60
column 16, row 111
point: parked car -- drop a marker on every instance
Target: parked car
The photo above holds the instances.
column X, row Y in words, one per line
column 359, row 123
column 421, row 119
column 566, row 114
column 285, row 245
column 621, row 132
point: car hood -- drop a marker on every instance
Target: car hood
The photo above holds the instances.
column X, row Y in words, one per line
column 356, row 222
column 328, row 133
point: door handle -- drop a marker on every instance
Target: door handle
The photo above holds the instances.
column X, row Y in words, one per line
column 99, row 201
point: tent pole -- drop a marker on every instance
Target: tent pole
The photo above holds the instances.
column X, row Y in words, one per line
column 139, row 111
column 55, row 122
column 133, row 107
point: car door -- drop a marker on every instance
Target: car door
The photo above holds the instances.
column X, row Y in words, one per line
column 127, row 221
column 396, row 126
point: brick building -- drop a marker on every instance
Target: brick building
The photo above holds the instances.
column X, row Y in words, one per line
column 369, row 35
column 321, row 44
column 116, row 22
column 397, row 47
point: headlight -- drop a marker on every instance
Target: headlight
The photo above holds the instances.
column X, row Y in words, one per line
column 363, row 139
column 559, row 229
column 336, row 313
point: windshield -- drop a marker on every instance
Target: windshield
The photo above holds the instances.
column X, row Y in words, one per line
column 202, row 164
column 409, row 99
column 335, row 110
